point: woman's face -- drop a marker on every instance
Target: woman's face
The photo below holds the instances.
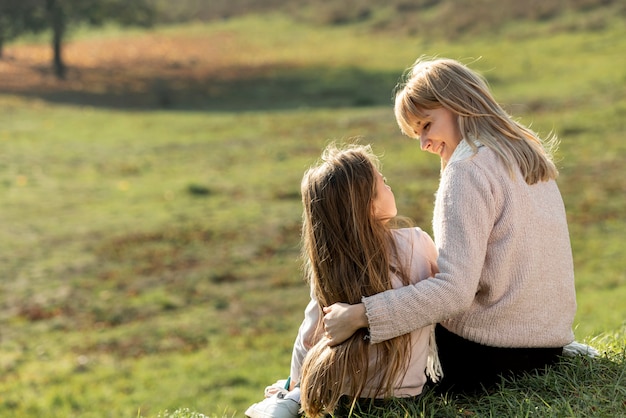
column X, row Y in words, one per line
column 384, row 204
column 439, row 132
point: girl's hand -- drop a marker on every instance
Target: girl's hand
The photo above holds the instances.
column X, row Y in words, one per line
column 342, row 320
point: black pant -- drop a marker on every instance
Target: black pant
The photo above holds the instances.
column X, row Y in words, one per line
column 469, row 366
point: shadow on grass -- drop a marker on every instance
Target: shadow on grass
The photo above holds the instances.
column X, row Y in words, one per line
column 231, row 89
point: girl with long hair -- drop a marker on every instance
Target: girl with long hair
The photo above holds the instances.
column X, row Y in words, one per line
column 350, row 250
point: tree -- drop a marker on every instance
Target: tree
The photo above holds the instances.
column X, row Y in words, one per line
column 20, row 16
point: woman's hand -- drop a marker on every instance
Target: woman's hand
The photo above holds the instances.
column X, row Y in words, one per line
column 342, row 320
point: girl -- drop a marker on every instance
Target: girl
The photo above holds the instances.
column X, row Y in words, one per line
column 349, row 251
column 504, row 294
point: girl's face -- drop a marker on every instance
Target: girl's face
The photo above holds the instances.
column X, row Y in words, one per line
column 439, row 132
column 384, row 204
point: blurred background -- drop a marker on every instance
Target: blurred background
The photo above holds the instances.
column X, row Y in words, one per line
column 150, row 160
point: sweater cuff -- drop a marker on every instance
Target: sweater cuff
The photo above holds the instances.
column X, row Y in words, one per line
column 380, row 320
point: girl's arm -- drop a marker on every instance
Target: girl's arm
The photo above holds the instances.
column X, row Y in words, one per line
column 308, row 336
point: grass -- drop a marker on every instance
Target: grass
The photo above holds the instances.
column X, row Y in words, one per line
column 149, row 255
column 576, row 387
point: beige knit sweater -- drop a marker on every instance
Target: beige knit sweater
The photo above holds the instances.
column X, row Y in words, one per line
column 506, row 273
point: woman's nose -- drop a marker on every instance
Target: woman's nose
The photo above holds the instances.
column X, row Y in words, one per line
column 425, row 143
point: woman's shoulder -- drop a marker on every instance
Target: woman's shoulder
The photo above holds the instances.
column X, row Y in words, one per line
column 481, row 160
column 482, row 169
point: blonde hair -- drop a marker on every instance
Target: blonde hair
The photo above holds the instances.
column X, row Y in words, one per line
column 348, row 254
column 432, row 84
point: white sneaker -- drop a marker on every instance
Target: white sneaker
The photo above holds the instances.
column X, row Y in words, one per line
column 575, row 348
column 277, row 406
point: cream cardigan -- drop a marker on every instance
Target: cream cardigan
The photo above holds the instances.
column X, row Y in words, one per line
column 506, row 276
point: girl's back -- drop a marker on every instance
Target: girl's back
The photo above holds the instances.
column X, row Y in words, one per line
column 418, row 255
column 417, row 252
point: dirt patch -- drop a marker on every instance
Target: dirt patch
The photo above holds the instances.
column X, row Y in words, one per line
column 219, row 71
column 149, row 71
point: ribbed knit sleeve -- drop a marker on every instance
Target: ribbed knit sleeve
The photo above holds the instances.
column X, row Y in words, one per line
column 418, row 253
column 462, row 222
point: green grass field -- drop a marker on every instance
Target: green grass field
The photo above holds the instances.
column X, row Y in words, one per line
column 149, row 258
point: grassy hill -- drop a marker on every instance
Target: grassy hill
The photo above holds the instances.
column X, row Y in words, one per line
column 150, row 216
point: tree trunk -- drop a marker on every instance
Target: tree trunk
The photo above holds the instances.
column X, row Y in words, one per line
column 4, row 24
column 58, row 29
column 59, row 66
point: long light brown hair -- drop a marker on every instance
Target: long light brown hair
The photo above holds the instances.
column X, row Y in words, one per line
column 347, row 255
column 432, row 84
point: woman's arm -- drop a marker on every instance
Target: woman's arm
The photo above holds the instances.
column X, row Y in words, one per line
column 416, row 251
column 463, row 236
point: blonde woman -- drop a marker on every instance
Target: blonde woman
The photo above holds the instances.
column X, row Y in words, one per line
column 349, row 251
column 504, row 295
